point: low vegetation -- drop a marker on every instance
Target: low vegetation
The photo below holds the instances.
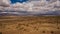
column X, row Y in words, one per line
column 29, row 23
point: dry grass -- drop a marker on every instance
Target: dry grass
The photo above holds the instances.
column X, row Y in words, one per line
column 30, row 24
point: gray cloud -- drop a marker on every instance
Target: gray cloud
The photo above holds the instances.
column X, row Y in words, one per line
column 33, row 7
column 4, row 3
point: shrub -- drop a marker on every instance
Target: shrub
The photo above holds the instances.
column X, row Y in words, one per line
column 0, row 32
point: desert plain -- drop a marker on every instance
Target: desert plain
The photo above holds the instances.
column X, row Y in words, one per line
column 29, row 24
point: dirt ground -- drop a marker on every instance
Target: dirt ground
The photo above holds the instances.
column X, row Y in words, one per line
column 29, row 24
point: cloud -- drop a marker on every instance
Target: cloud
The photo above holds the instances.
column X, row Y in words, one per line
column 33, row 7
column 4, row 3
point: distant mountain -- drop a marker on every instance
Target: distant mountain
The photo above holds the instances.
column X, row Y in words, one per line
column 25, row 13
column 53, row 12
column 50, row 13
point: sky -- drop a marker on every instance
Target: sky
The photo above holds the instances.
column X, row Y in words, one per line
column 21, row 1
column 29, row 6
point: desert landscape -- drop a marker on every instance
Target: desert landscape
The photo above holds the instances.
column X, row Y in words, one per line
column 29, row 24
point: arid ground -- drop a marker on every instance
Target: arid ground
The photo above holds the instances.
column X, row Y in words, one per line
column 29, row 24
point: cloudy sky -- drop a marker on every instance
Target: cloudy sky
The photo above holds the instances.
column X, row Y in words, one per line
column 29, row 6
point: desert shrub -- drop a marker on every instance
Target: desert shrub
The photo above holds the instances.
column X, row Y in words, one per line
column 27, row 24
column 0, row 32
column 43, row 31
column 58, row 28
column 24, row 29
column 0, row 24
column 52, row 32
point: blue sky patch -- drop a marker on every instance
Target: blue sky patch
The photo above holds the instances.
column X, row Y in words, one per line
column 15, row 1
